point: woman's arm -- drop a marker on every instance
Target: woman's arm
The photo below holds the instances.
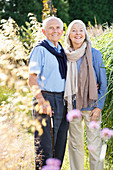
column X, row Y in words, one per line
column 100, row 71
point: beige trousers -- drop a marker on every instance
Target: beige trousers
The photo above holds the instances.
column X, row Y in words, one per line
column 76, row 143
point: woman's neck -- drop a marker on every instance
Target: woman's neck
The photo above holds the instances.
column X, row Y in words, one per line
column 77, row 46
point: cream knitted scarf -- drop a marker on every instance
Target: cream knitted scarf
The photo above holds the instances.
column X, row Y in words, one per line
column 80, row 84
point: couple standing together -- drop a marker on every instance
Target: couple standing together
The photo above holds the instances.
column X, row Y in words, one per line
column 68, row 80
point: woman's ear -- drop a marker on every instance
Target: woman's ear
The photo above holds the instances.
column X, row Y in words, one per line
column 43, row 31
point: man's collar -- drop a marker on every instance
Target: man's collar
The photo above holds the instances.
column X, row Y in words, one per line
column 52, row 45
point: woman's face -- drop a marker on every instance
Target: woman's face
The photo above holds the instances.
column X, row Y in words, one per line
column 77, row 35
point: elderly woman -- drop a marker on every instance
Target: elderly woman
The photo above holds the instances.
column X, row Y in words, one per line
column 85, row 71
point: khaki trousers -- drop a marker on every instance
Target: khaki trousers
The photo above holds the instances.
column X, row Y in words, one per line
column 76, row 143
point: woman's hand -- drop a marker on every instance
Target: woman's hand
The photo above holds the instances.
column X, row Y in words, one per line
column 95, row 114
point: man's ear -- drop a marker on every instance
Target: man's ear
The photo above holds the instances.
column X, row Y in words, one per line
column 43, row 31
column 62, row 31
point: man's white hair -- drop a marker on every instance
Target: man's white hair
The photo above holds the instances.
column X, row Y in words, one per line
column 45, row 22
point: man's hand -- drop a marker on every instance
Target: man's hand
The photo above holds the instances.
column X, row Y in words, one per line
column 44, row 107
column 95, row 114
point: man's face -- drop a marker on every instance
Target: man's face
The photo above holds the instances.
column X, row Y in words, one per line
column 53, row 31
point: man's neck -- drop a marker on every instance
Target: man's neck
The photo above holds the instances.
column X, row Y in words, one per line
column 55, row 43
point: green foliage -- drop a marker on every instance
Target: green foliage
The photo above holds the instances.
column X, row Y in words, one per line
column 19, row 9
column 5, row 93
column 62, row 9
column 31, row 32
column 104, row 43
column 67, row 10
column 87, row 10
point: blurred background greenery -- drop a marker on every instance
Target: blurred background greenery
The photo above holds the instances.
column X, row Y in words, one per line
column 67, row 10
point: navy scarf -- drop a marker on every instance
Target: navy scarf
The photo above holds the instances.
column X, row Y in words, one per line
column 61, row 57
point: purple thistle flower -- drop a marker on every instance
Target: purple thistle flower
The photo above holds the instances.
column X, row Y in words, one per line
column 111, row 133
column 50, row 167
column 73, row 114
column 106, row 133
column 53, row 161
column 94, row 124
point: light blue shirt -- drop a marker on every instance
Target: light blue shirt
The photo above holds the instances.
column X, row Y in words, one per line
column 100, row 76
column 46, row 66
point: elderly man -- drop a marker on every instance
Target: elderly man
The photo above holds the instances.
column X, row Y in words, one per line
column 47, row 73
